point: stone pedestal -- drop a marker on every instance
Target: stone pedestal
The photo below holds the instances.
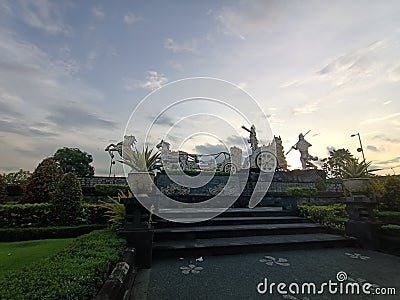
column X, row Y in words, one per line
column 362, row 223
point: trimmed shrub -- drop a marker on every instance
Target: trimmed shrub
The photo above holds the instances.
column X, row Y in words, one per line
column 40, row 233
column 112, row 190
column 391, row 198
column 93, row 214
column 42, row 185
column 76, row 272
column 334, row 215
column 301, row 192
column 25, row 215
column 389, row 217
column 3, row 189
column 392, row 230
column 67, row 200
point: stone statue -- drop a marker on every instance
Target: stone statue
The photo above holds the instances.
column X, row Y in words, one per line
column 280, row 154
column 305, row 158
column 253, row 137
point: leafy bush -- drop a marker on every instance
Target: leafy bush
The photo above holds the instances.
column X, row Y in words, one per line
column 76, row 272
column 19, row 177
column 391, row 198
column 301, row 192
column 334, row 215
column 25, row 215
column 393, row 230
column 42, row 185
column 67, row 200
column 93, row 214
column 112, row 190
column 3, row 189
column 40, row 215
column 389, row 217
column 39, row 233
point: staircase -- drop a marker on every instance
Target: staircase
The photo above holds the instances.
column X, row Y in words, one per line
column 240, row 230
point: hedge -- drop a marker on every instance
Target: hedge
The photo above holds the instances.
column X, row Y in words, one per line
column 40, row 215
column 334, row 215
column 392, row 230
column 301, row 192
column 111, row 189
column 39, row 233
column 76, row 272
column 389, row 217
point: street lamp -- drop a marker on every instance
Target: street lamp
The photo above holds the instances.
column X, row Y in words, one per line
column 361, row 147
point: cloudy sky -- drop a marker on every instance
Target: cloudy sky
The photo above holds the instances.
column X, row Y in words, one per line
column 71, row 72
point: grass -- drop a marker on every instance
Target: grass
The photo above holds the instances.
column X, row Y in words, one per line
column 16, row 255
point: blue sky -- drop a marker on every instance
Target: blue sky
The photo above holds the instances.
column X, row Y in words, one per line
column 71, row 72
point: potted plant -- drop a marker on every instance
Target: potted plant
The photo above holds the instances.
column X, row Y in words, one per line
column 143, row 163
column 356, row 175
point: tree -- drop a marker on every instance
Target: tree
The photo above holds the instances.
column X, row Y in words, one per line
column 3, row 189
column 42, row 184
column 75, row 161
column 19, row 177
column 333, row 165
column 67, row 200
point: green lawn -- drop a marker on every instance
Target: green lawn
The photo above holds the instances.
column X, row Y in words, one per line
column 16, row 255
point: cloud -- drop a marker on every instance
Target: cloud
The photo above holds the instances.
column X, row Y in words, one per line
column 154, row 80
column 175, row 47
column 372, row 148
column 43, row 15
column 131, row 18
column 98, row 12
column 210, row 148
column 390, row 161
column 74, row 117
column 20, row 128
column 384, row 118
column 236, row 140
column 249, row 17
column 394, row 74
column 386, row 139
column 306, row 108
column 387, row 102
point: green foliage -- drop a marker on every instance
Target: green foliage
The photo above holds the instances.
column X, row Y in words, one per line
column 25, row 215
column 42, row 185
column 19, row 177
column 377, row 187
column 391, row 198
column 93, row 214
column 41, row 215
column 40, row 233
column 73, row 160
column 141, row 161
column 320, row 184
column 389, row 217
column 301, row 192
column 67, row 203
column 392, row 230
column 115, row 211
column 112, row 190
column 333, row 165
column 330, row 215
column 352, row 168
column 76, row 272
column 3, row 189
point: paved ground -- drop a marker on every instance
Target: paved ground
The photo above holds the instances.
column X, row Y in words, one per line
column 237, row 276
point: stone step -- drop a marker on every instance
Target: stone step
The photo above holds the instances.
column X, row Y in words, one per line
column 243, row 230
column 162, row 223
column 246, row 244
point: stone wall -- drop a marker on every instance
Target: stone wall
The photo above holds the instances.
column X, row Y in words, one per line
column 92, row 181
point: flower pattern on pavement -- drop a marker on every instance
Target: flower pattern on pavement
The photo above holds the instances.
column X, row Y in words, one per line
column 270, row 261
column 357, row 256
column 191, row 269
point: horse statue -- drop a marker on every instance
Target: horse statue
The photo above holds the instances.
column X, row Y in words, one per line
column 127, row 143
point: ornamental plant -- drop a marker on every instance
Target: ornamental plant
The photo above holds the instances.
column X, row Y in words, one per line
column 42, row 185
column 67, row 201
column 352, row 168
column 141, row 161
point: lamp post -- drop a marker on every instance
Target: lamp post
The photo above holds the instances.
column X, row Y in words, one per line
column 361, row 147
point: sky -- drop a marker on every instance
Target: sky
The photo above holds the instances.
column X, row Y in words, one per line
column 72, row 72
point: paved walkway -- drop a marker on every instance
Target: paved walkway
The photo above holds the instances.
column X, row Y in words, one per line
column 237, row 276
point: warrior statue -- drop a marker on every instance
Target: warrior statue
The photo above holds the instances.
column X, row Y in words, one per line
column 253, row 138
column 305, row 158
